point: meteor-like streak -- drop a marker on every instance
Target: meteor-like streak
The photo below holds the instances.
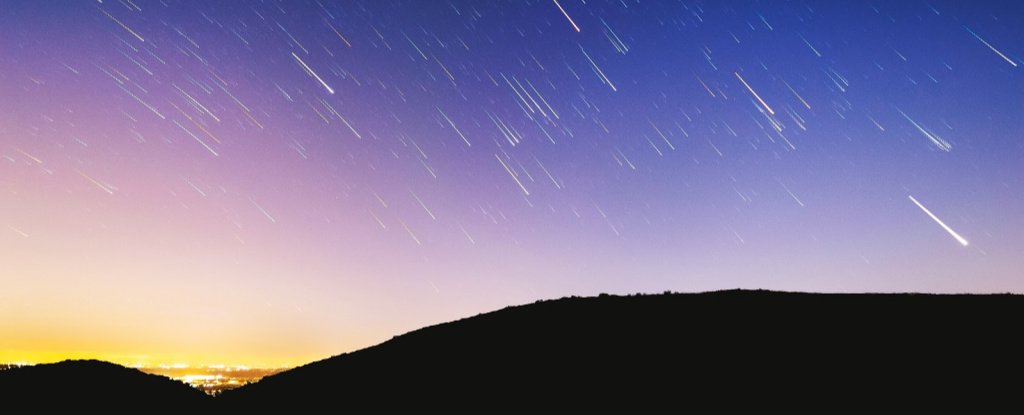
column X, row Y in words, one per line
column 567, row 16
column 765, row 104
column 310, row 70
column 95, row 182
column 940, row 222
column 938, row 141
column 1001, row 55
column 125, row 27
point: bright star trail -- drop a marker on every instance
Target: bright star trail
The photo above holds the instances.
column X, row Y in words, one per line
column 1001, row 55
column 940, row 222
column 754, row 93
column 313, row 74
column 178, row 179
column 560, row 8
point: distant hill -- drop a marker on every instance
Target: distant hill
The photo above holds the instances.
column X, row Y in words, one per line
column 729, row 348
column 95, row 385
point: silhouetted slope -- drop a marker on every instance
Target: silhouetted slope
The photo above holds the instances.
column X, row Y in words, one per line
column 622, row 355
column 95, row 385
column 726, row 348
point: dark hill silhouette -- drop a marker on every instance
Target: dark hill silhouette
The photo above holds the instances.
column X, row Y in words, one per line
column 92, row 384
column 617, row 354
column 673, row 351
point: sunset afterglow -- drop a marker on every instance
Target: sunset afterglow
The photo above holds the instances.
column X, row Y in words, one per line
column 272, row 183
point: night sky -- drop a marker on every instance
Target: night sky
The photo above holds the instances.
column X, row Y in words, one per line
column 269, row 183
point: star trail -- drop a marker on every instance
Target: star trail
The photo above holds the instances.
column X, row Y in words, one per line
column 273, row 182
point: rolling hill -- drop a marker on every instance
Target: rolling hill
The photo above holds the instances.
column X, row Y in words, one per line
column 663, row 351
column 92, row 384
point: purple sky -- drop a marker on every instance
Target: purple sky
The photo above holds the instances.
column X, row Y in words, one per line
column 270, row 183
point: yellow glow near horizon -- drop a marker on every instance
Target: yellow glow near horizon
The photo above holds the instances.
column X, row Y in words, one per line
column 37, row 357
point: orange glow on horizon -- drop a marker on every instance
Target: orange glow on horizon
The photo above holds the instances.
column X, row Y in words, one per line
column 36, row 357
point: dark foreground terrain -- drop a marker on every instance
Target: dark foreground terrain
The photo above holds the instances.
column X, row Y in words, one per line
column 729, row 349
column 74, row 385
